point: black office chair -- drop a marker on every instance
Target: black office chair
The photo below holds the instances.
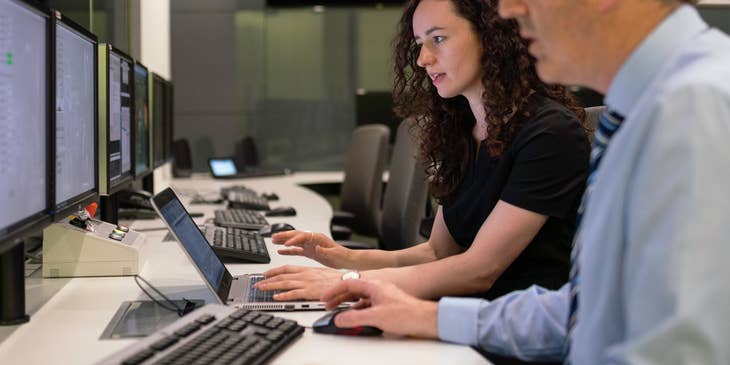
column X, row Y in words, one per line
column 182, row 165
column 363, row 184
column 245, row 152
column 406, row 194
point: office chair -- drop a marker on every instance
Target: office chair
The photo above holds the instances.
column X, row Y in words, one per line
column 246, row 153
column 592, row 115
column 404, row 203
column 406, row 194
column 363, row 184
column 182, row 165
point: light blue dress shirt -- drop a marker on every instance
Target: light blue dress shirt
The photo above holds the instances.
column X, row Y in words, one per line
column 655, row 258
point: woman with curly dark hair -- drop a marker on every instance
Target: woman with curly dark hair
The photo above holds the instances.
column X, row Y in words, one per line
column 506, row 153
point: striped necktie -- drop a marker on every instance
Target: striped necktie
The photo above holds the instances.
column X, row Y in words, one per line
column 609, row 123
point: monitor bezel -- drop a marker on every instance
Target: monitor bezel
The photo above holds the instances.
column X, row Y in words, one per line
column 163, row 160
column 127, row 178
column 61, row 209
column 37, row 221
column 169, row 116
column 138, row 175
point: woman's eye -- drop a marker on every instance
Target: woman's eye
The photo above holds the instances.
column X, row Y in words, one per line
column 438, row 39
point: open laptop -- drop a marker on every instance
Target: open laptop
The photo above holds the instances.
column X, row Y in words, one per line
column 237, row 291
column 226, row 168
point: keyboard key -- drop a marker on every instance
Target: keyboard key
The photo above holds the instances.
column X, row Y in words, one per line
column 187, row 329
column 239, row 313
column 274, row 322
column 237, row 326
column 205, row 319
column 262, row 319
column 164, row 343
column 139, row 357
column 275, row 336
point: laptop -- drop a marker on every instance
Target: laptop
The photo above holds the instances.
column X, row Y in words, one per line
column 237, row 291
column 226, row 168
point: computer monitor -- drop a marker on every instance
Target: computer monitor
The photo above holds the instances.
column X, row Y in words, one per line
column 75, row 132
column 159, row 120
column 141, row 132
column 24, row 120
column 116, row 75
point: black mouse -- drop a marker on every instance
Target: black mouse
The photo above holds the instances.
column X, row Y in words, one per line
column 326, row 324
column 281, row 212
column 267, row 231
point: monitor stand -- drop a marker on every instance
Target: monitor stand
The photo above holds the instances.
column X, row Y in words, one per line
column 12, row 286
column 148, row 183
column 110, row 208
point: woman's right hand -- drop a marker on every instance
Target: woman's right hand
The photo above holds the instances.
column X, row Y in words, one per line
column 316, row 246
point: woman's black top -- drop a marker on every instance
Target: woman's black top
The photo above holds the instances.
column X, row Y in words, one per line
column 543, row 170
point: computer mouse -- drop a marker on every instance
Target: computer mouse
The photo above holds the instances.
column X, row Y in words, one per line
column 281, row 212
column 267, row 231
column 326, row 324
column 270, row 196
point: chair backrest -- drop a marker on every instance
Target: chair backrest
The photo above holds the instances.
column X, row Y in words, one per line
column 245, row 153
column 592, row 115
column 404, row 203
column 363, row 184
column 182, row 163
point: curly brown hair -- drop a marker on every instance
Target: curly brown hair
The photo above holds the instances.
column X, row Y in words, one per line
column 444, row 125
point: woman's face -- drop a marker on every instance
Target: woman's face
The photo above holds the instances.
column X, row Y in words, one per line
column 450, row 49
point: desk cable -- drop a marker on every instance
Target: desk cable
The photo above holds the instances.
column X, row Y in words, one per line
column 189, row 306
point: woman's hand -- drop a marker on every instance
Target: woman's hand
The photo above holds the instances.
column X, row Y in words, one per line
column 383, row 305
column 316, row 246
column 298, row 282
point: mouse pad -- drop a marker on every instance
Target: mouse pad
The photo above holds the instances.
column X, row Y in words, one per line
column 140, row 318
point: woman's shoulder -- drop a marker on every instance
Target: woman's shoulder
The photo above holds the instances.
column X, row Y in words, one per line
column 547, row 116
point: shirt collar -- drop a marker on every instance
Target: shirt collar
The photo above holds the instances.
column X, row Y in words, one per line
column 641, row 66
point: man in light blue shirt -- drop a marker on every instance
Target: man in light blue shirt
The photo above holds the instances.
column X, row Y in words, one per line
column 654, row 281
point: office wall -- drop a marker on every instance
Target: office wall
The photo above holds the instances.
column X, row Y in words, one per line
column 286, row 76
column 376, row 29
column 154, row 31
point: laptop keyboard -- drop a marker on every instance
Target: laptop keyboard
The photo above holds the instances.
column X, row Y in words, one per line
column 255, row 295
column 240, row 218
column 214, row 334
column 237, row 243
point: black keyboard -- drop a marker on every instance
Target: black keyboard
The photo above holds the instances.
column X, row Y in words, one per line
column 245, row 200
column 237, row 188
column 237, row 243
column 213, row 334
column 240, row 218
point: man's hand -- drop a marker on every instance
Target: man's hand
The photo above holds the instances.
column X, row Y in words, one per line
column 385, row 306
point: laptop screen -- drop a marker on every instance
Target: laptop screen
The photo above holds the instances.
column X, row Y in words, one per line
column 199, row 251
column 222, row 167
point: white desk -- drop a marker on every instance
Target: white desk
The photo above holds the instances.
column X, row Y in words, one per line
column 69, row 315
